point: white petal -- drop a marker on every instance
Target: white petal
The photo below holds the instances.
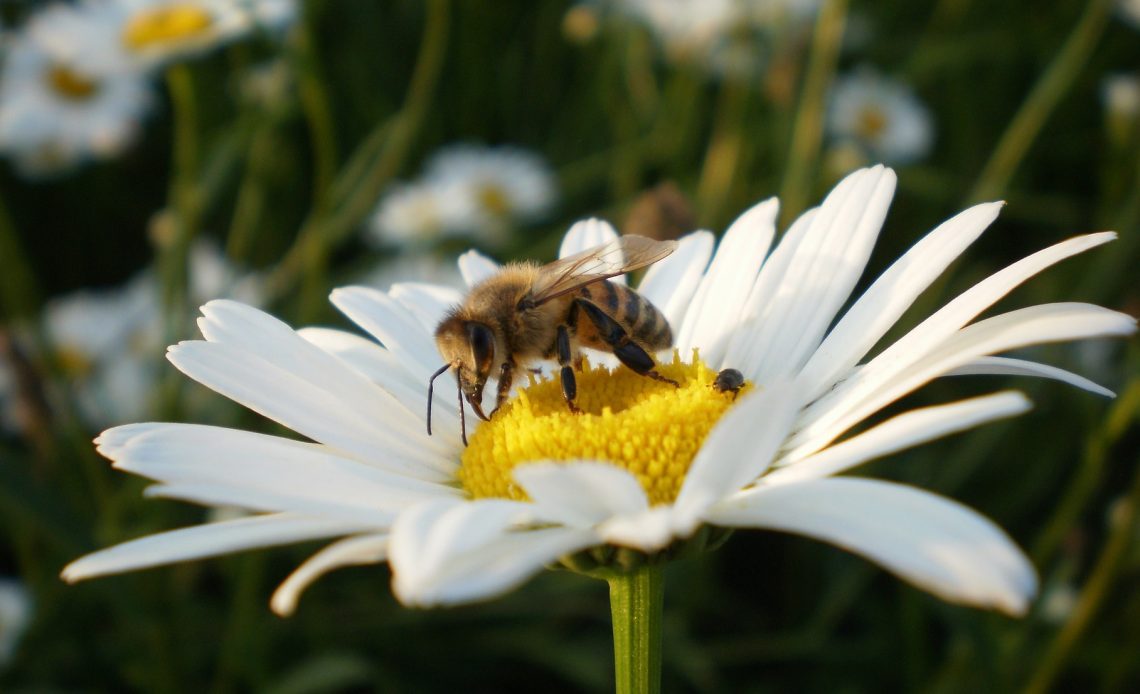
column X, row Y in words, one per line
column 1021, row 328
column 891, row 294
column 669, row 284
column 587, row 234
column 445, row 553
column 1005, row 366
column 582, row 493
column 901, row 432
column 312, row 410
column 201, row 541
column 743, row 350
column 383, row 368
column 476, row 267
column 721, row 296
column 820, row 276
column 353, row 551
column 648, row 530
column 427, row 302
column 247, row 463
column 738, row 450
column 239, row 326
column 393, row 325
column 930, row 541
column 944, row 323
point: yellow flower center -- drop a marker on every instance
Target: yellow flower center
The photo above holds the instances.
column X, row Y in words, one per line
column 74, row 361
column 167, row 24
column 650, row 428
column 69, row 84
column 494, row 199
column 872, row 122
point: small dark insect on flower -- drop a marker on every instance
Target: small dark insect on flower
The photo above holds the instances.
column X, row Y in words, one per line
column 729, row 380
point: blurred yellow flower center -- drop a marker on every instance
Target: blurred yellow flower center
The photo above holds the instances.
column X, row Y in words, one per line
column 70, row 84
column 169, row 23
column 74, row 361
column 872, row 122
column 494, row 199
column 647, row 427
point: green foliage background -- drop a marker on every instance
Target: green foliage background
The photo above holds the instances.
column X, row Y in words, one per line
column 380, row 85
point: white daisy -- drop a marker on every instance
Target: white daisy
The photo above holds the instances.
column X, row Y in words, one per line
column 107, row 339
column 1129, row 10
column 419, row 214
column 728, row 37
column 1121, row 94
column 156, row 32
column 16, row 610
column 63, row 97
column 882, row 118
column 502, row 184
column 652, row 467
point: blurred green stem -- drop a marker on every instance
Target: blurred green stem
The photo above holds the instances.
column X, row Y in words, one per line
column 318, row 113
column 1124, row 523
column 807, row 132
column 636, row 601
column 1087, row 477
column 1046, row 94
column 17, row 284
column 722, row 158
column 174, row 240
column 326, row 227
column 174, row 235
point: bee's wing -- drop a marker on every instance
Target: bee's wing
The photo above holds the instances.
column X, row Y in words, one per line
column 625, row 254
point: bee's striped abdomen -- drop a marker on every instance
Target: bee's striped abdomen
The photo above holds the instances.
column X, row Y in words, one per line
column 640, row 318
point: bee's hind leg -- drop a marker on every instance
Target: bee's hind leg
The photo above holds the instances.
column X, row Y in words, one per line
column 565, row 357
column 626, row 350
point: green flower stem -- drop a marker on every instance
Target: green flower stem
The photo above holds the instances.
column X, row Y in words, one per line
column 722, row 158
column 1046, row 94
column 807, row 134
column 18, row 291
column 327, row 226
column 1088, row 476
column 636, row 599
column 175, row 234
column 1095, row 592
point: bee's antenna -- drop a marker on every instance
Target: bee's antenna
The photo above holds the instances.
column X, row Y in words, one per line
column 431, row 386
column 462, row 416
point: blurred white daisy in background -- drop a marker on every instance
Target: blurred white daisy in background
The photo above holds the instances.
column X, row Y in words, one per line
column 66, row 98
column 419, row 267
column 157, row 32
column 504, row 185
column 1120, row 93
column 879, row 118
column 731, row 38
column 1130, row 11
column 419, row 213
column 107, row 340
column 9, row 413
column 16, row 609
column 460, row 524
column 467, row 191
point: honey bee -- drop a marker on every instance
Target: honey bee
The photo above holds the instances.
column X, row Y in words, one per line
column 527, row 312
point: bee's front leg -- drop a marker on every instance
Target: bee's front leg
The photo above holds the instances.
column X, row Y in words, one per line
column 565, row 357
column 506, row 379
column 625, row 349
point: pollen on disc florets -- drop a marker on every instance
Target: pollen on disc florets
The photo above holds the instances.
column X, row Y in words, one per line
column 648, row 427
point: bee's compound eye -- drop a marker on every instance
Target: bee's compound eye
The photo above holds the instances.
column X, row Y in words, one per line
column 482, row 342
column 729, row 379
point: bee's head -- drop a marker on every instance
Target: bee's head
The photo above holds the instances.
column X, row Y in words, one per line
column 468, row 347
